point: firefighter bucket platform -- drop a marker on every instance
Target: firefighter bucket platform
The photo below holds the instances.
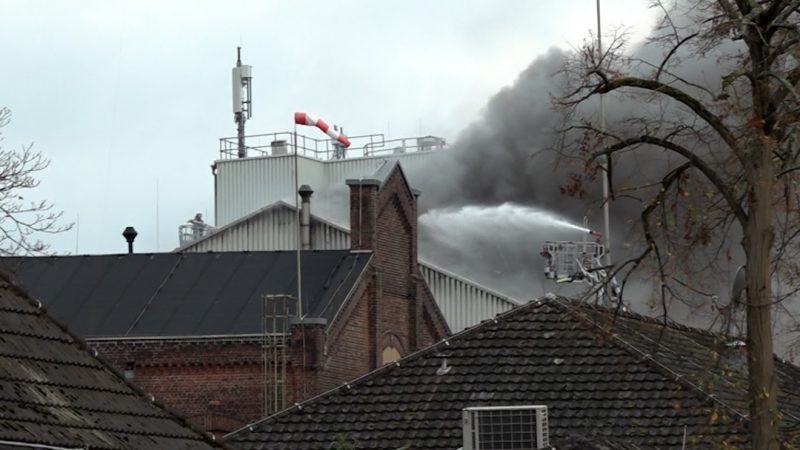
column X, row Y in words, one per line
column 569, row 261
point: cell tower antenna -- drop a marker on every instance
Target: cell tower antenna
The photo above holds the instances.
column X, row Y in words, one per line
column 242, row 99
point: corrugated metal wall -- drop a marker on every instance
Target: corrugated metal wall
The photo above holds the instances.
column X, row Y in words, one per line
column 340, row 170
column 274, row 229
column 248, row 184
column 463, row 302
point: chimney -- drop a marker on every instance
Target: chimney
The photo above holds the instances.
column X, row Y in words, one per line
column 305, row 216
column 130, row 235
column 363, row 213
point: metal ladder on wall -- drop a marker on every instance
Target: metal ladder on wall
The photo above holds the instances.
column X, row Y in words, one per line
column 276, row 312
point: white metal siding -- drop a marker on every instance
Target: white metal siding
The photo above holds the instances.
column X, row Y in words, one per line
column 340, row 170
column 275, row 229
column 248, row 184
column 462, row 302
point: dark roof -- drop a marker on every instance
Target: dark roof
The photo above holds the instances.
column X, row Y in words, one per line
column 53, row 391
column 186, row 294
column 638, row 384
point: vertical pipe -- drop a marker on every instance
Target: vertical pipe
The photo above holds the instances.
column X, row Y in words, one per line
column 158, row 243
column 242, row 153
column 130, row 234
column 305, row 215
column 606, row 200
column 298, row 230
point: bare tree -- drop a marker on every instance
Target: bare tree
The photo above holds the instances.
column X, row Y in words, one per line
column 727, row 150
column 21, row 221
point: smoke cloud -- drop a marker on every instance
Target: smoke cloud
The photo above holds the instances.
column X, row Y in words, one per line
column 490, row 201
column 511, row 154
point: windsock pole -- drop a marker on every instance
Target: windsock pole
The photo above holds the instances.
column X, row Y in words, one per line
column 299, row 231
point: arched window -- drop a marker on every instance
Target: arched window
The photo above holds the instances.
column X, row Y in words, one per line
column 390, row 353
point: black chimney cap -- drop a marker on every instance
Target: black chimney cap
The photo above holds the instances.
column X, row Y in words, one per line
column 130, row 234
column 305, row 191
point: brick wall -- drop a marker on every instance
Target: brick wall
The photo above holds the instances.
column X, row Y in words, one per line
column 383, row 219
column 216, row 385
column 363, row 215
column 350, row 344
column 394, row 248
column 306, row 360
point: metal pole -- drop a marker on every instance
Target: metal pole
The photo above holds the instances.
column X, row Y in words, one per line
column 299, row 230
column 242, row 149
column 606, row 200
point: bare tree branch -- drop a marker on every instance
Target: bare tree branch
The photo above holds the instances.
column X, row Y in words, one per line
column 694, row 159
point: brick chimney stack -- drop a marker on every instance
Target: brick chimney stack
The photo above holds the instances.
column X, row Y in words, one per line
column 363, row 213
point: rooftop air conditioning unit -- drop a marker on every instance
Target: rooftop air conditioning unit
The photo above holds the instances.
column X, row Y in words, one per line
column 505, row 427
column 279, row 147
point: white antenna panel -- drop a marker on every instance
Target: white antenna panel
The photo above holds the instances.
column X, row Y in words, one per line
column 246, row 71
column 241, row 77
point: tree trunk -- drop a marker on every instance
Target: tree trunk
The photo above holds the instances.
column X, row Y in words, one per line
column 758, row 247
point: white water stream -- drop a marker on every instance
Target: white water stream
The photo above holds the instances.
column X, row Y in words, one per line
column 492, row 217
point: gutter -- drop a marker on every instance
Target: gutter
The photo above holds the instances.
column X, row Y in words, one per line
column 44, row 446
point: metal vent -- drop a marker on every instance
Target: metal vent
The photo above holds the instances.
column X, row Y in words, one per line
column 505, row 428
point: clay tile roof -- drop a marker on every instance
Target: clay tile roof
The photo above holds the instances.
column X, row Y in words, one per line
column 55, row 392
column 603, row 374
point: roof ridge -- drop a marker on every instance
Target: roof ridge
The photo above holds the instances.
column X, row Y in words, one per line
column 574, row 309
column 536, row 303
column 674, row 325
column 333, row 295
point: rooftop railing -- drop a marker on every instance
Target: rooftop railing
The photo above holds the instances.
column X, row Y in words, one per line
column 286, row 143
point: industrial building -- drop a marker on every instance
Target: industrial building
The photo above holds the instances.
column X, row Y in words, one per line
column 463, row 302
column 273, row 305
column 228, row 337
column 252, row 187
column 256, row 181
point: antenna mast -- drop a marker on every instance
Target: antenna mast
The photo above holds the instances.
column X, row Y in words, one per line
column 606, row 199
column 242, row 99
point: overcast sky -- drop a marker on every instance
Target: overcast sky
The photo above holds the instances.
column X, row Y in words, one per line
column 124, row 96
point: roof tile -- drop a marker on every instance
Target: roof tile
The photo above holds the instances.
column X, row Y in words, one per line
column 53, row 391
column 637, row 381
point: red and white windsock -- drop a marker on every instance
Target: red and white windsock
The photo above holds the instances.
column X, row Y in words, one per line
column 302, row 118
